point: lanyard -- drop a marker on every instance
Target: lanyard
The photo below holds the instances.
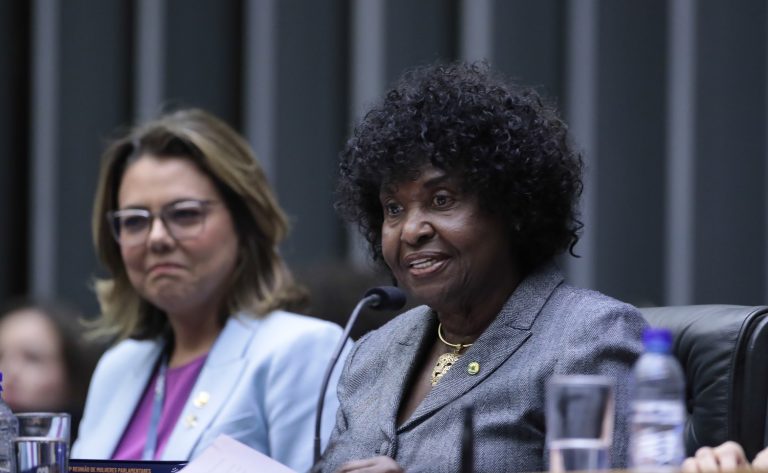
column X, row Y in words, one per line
column 157, row 409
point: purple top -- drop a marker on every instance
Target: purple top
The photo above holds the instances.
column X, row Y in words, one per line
column 179, row 382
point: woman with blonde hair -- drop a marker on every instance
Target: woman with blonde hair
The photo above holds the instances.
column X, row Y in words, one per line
column 187, row 226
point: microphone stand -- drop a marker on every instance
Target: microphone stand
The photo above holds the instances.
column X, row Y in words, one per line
column 370, row 298
column 468, row 442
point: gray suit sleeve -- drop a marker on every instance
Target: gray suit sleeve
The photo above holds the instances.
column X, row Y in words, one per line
column 608, row 343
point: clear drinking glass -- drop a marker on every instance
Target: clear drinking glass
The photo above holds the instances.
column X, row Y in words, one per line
column 579, row 418
column 43, row 443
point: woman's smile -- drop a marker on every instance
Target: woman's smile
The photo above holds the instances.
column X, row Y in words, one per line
column 421, row 266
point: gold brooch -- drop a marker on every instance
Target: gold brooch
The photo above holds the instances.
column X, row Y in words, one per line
column 446, row 360
column 201, row 399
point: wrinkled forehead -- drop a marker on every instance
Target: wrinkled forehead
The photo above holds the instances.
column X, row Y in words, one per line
column 426, row 172
column 395, row 177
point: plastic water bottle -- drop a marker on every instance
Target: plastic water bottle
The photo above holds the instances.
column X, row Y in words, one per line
column 9, row 429
column 658, row 406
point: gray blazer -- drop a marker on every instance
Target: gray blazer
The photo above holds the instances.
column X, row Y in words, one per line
column 545, row 327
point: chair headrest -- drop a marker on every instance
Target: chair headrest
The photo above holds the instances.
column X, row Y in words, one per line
column 713, row 344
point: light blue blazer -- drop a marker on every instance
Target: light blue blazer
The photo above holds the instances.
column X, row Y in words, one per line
column 259, row 384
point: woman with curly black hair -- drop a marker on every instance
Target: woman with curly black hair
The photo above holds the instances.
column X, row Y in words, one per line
column 466, row 188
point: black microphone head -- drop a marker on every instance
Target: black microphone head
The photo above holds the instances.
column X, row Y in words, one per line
column 390, row 297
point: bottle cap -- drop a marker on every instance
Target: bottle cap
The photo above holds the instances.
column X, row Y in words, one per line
column 657, row 340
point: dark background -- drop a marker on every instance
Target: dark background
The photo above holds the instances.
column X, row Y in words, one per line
column 667, row 99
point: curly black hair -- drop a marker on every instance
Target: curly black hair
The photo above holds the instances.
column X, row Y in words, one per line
column 500, row 139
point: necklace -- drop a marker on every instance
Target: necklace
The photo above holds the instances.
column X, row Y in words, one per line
column 446, row 360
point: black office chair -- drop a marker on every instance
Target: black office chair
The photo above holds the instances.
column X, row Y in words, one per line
column 724, row 352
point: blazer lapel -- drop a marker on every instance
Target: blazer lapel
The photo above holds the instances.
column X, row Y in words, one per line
column 128, row 392
column 501, row 339
column 218, row 377
column 400, row 367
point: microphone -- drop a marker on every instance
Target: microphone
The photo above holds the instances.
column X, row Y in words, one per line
column 378, row 298
column 387, row 298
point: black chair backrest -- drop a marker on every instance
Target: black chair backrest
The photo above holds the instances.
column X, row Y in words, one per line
column 724, row 352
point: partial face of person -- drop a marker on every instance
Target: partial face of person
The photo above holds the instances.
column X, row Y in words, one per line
column 441, row 247
column 187, row 258
column 31, row 359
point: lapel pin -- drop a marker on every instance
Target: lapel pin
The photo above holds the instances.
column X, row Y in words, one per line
column 201, row 399
column 473, row 367
column 190, row 421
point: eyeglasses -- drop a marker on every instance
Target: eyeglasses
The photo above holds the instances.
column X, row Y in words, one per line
column 183, row 220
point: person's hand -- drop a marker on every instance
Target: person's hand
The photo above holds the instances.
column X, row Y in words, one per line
column 726, row 457
column 371, row 465
column 761, row 460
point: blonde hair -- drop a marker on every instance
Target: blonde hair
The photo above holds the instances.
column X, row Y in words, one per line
column 261, row 281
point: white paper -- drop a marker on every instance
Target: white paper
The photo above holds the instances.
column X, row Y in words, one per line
column 227, row 455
